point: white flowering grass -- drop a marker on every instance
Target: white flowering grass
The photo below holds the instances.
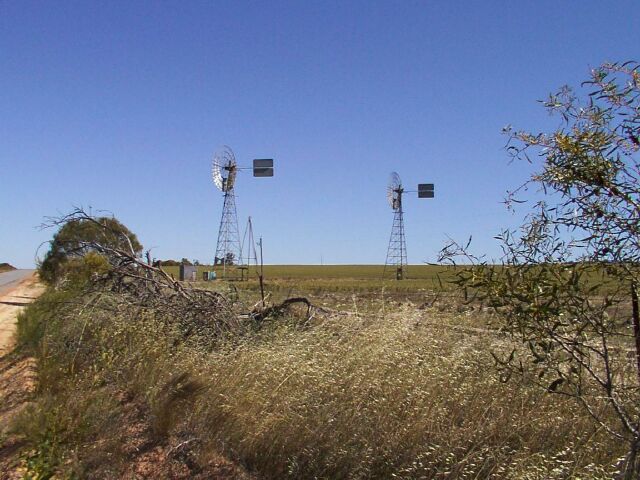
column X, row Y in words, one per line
column 390, row 398
column 402, row 393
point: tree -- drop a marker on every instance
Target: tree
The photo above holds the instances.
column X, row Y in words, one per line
column 74, row 239
column 168, row 263
column 566, row 287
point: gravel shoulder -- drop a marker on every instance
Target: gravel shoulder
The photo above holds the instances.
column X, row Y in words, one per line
column 14, row 296
column 12, row 279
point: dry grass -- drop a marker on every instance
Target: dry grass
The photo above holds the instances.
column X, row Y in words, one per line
column 361, row 399
column 396, row 395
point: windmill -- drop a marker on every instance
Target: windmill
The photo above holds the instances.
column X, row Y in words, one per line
column 224, row 170
column 397, row 249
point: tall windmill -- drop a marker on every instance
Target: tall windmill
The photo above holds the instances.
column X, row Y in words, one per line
column 397, row 250
column 224, row 170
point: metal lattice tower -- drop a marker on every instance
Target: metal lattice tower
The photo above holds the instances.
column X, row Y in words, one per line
column 397, row 250
column 228, row 251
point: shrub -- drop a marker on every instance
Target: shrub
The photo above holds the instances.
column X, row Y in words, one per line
column 73, row 241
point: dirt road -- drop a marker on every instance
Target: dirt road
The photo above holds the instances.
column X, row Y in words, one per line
column 15, row 292
column 9, row 280
column 17, row 372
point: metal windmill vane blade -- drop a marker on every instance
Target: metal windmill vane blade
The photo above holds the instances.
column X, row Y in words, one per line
column 224, row 169
column 392, row 198
column 394, row 180
column 390, row 194
column 231, row 168
column 393, row 190
column 228, row 157
column 216, row 173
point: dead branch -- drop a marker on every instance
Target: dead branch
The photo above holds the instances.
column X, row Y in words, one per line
column 140, row 284
column 260, row 315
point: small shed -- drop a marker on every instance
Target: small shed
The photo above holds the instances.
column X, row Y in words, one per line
column 188, row 273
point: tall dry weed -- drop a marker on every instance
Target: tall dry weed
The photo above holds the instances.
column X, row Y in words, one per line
column 405, row 395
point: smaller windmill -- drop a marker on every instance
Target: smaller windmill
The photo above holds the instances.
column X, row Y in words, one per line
column 249, row 246
column 224, row 170
column 397, row 250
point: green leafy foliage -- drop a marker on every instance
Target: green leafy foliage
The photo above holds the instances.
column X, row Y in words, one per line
column 73, row 240
column 569, row 275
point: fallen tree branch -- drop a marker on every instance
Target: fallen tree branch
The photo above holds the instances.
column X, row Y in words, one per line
column 260, row 315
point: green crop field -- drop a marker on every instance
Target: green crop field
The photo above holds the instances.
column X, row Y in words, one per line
column 327, row 278
column 413, row 272
column 318, row 281
column 333, row 285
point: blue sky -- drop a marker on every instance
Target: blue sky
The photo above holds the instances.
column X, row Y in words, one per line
column 121, row 105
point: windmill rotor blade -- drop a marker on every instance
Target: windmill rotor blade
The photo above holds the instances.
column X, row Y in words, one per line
column 227, row 155
column 394, row 180
column 390, row 196
column 216, row 173
column 224, row 169
column 393, row 190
